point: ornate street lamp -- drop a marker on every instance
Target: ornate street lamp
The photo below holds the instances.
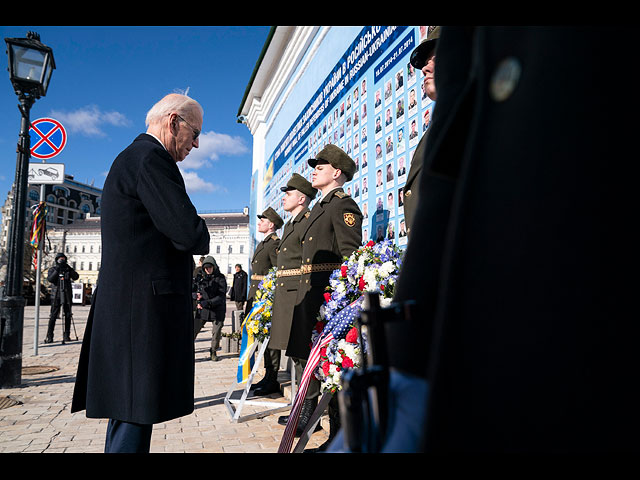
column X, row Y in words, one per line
column 30, row 66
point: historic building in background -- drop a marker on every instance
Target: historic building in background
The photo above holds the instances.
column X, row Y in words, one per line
column 82, row 243
column 66, row 203
column 73, row 227
column 350, row 86
column 229, row 240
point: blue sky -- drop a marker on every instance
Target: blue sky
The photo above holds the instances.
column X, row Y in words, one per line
column 107, row 78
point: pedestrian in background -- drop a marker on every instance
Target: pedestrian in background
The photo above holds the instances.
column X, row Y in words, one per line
column 60, row 276
column 238, row 292
column 136, row 366
column 211, row 299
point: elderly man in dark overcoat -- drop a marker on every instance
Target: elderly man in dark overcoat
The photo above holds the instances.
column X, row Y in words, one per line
column 136, row 365
column 526, row 333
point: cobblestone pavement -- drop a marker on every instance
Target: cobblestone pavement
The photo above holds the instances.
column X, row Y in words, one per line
column 41, row 420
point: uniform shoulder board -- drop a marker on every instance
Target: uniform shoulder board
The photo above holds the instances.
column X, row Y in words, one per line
column 342, row 194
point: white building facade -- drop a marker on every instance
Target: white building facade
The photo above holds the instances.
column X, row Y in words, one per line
column 81, row 242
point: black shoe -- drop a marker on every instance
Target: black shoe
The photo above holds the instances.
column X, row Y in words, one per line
column 283, row 420
column 268, row 389
column 48, row 340
column 66, row 338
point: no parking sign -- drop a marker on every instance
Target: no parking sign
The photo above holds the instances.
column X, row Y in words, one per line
column 48, row 138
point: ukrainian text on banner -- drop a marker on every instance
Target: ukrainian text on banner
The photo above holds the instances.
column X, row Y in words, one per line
column 366, row 49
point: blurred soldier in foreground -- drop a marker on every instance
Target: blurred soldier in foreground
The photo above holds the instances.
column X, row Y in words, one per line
column 526, row 333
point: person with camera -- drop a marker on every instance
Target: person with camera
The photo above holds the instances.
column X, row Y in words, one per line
column 211, row 303
column 60, row 276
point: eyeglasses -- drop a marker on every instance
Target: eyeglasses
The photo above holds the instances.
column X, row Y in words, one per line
column 196, row 132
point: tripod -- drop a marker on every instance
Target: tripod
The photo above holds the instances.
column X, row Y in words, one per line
column 62, row 292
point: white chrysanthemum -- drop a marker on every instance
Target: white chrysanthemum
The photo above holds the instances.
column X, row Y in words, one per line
column 351, row 350
column 386, row 269
column 370, row 279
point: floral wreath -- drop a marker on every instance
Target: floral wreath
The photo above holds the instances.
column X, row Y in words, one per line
column 258, row 322
column 372, row 268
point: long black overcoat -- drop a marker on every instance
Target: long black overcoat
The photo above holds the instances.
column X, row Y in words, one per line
column 137, row 357
column 528, row 332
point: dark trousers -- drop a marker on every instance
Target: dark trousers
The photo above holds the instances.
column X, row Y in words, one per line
column 53, row 315
column 272, row 360
column 125, row 437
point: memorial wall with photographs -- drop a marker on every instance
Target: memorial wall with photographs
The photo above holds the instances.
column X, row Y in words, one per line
column 372, row 105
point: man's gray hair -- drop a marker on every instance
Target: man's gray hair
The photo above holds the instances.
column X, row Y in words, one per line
column 174, row 102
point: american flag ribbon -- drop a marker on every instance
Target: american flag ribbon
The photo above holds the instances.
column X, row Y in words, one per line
column 336, row 328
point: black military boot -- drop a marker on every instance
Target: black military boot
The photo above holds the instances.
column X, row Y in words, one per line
column 271, row 385
column 308, row 407
column 260, row 384
column 334, row 426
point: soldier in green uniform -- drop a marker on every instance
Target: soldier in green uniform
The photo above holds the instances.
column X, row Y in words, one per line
column 264, row 257
column 333, row 231
column 422, row 58
column 297, row 195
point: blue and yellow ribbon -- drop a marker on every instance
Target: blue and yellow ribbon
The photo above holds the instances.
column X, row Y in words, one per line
column 246, row 360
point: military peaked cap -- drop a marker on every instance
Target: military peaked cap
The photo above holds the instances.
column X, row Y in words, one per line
column 421, row 53
column 337, row 158
column 298, row 182
column 271, row 215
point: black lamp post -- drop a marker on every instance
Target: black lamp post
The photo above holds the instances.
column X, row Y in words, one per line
column 30, row 66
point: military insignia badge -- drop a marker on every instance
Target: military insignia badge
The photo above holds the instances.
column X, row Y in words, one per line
column 349, row 219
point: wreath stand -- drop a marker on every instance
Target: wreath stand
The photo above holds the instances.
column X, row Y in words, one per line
column 313, row 421
column 279, row 406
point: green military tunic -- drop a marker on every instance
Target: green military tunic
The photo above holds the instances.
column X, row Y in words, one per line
column 264, row 257
column 288, row 280
column 333, row 231
column 411, row 188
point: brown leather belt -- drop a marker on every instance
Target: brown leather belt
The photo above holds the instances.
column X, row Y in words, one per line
column 291, row 272
column 257, row 277
column 319, row 267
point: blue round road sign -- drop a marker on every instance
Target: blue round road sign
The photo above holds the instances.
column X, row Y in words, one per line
column 48, row 138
